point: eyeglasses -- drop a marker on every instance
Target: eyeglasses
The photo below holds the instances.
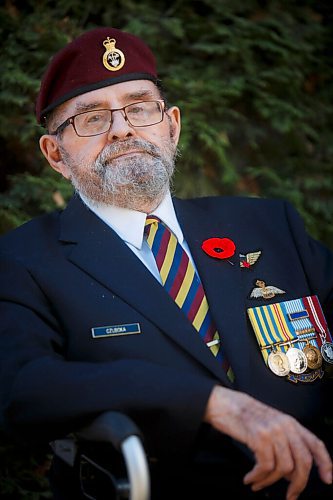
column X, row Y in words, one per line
column 99, row 121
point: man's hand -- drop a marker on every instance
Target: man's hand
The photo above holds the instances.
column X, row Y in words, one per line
column 282, row 447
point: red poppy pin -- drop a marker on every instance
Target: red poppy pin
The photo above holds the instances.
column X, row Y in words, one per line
column 219, row 248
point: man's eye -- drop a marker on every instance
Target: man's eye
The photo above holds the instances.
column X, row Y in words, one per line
column 136, row 110
column 97, row 117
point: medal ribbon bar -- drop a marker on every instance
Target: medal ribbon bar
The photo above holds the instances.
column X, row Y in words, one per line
column 272, row 328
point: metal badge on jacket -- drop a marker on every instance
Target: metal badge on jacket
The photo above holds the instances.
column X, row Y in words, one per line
column 293, row 337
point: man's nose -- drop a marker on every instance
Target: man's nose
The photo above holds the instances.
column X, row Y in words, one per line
column 120, row 127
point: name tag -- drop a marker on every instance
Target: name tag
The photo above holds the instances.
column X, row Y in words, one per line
column 115, row 330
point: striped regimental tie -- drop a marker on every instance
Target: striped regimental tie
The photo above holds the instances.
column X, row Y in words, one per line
column 183, row 284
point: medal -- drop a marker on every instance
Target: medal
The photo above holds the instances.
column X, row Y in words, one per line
column 327, row 352
column 293, row 335
column 313, row 356
column 279, row 363
column 297, row 360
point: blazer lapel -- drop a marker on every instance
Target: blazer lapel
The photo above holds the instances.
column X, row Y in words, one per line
column 99, row 252
column 221, row 280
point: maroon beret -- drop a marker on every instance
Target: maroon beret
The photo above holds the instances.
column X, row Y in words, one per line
column 96, row 59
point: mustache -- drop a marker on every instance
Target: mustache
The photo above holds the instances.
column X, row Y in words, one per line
column 111, row 151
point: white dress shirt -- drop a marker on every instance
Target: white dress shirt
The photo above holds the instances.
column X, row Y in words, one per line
column 129, row 225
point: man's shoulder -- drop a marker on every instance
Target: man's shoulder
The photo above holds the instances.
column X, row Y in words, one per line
column 31, row 234
column 235, row 204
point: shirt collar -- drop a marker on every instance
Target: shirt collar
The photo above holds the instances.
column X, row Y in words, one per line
column 129, row 224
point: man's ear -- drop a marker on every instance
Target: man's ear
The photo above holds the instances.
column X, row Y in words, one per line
column 175, row 123
column 50, row 149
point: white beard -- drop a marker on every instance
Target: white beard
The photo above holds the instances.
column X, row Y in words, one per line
column 133, row 181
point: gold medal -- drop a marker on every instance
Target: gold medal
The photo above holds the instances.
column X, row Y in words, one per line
column 313, row 356
column 279, row 363
column 297, row 360
column 113, row 59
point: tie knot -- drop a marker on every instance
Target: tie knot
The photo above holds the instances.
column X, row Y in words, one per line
column 151, row 220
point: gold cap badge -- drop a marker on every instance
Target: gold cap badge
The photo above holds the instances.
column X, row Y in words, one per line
column 113, row 59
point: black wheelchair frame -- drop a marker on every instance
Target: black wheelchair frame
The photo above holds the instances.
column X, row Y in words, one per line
column 123, row 473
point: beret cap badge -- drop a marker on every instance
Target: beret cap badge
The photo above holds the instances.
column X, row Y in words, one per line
column 113, row 59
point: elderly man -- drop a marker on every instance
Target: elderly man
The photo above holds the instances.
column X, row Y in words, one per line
column 133, row 300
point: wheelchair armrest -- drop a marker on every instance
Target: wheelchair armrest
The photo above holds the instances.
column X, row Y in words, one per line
column 112, row 427
column 123, row 435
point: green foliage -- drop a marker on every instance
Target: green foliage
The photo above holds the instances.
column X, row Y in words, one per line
column 253, row 82
column 29, row 195
column 23, row 471
column 253, row 79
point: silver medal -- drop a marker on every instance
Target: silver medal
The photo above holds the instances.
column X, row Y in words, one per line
column 327, row 352
column 297, row 360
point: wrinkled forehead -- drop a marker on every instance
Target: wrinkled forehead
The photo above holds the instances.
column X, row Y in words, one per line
column 114, row 96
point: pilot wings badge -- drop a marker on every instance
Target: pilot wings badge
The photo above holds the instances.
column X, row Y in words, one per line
column 247, row 260
column 261, row 291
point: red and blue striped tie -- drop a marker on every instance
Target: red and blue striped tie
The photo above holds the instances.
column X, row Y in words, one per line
column 182, row 283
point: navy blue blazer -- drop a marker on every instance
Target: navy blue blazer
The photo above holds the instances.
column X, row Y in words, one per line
column 65, row 273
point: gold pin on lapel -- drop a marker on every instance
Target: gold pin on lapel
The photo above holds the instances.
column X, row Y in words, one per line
column 247, row 260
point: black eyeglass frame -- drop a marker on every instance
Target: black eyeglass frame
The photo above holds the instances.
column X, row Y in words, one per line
column 71, row 119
